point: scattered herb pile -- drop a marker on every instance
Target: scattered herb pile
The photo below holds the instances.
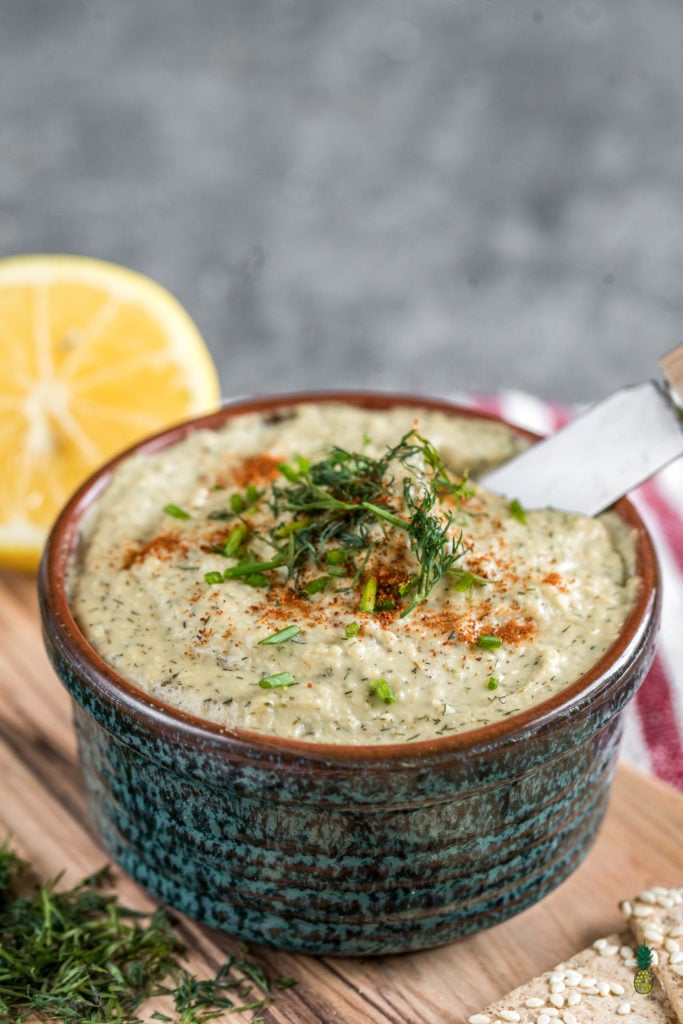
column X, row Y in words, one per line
column 77, row 955
column 323, row 517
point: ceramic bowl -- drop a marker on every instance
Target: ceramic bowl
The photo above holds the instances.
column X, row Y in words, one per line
column 330, row 849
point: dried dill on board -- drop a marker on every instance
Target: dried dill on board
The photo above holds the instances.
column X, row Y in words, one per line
column 77, row 955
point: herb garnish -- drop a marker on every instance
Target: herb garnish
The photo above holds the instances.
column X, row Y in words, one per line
column 517, row 510
column 176, row 512
column 489, row 643
column 77, row 955
column 324, row 513
column 281, row 636
column 277, row 680
column 381, row 689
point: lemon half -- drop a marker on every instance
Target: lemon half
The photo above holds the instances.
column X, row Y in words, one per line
column 92, row 358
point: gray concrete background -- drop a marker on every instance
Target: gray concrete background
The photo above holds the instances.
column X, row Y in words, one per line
column 434, row 196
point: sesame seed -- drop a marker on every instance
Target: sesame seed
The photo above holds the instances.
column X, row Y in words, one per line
column 665, row 901
column 648, row 896
column 510, row 1015
column 543, row 1019
column 557, row 986
column 627, row 908
column 672, row 946
column 676, row 958
column 573, row 999
column 603, row 988
column 678, row 969
column 573, row 978
column 676, row 932
column 588, row 983
column 631, row 962
column 599, row 943
column 623, row 1009
column 642, row 910
column 653, row 935
column 617, row 988
column 609, row 950
column 478, row 1018
column 569, row 1018
column 534, row 1002
column 557, row 1000
column 626, row 952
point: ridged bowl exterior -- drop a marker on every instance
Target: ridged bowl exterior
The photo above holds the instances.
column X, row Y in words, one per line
column 345, row 850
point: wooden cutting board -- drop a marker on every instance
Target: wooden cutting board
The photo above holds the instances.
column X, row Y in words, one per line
column 42, row 806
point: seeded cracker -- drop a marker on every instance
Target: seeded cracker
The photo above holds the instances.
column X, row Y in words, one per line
column 656, row 919
column 593, row 987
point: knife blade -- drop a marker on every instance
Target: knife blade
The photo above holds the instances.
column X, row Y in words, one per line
column 605, row 452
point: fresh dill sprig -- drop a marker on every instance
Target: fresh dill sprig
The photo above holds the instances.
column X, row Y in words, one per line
column 77, row 955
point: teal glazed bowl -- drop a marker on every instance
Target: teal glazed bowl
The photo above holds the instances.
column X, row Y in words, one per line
column 329, row 849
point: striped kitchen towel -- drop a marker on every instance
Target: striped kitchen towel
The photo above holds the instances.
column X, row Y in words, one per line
column 653, row 731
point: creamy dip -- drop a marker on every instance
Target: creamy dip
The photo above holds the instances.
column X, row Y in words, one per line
column 430, row 606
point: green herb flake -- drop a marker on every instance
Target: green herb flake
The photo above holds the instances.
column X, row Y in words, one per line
column 176, row 512
column 381, row 689
column 235, row 539
column 277, row 681
column 289, row 473
column 517, row 510
column 337, row 557
column 281, row 636
column 369, row 595
column 352, row 629
column 213, row 577
column 317, row 585
column 77, row 955
column 492, row 683
column 489, row 643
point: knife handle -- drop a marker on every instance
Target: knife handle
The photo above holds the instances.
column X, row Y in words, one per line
column 671, row 366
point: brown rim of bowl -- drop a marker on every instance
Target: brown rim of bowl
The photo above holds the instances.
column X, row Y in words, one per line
column 116, row 690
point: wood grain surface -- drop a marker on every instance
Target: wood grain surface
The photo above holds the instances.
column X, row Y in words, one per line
column 42, row 806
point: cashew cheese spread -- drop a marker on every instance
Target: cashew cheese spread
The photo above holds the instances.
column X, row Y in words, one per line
column 332, row 573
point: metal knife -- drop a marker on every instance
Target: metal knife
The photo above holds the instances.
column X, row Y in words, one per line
column 605, row 452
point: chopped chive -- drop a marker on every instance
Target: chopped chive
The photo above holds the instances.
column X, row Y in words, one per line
column 213, row 577
column 351, row 629
column 317, row 585
column 381, row 689
column 237, row 503
column 337, row 557
column 247, row 568
column 289, row 472
column 235, row 539
column 406, row 587
column 517, row 510
column 277, row 680
column 337, row 570
column 492, row 683
column 252, row 494
column 385, row 605
column 294, row 527
column 256, row 579
column 369, row 595
column 489, row 643
column 281, row 636
column 221, row 513
column 177, row 512
column 466, row 581
column 302, row 463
